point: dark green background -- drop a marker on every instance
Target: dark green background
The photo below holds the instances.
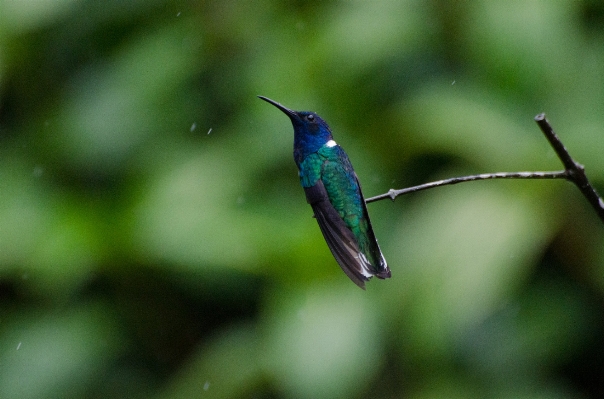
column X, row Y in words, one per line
column 155, row 242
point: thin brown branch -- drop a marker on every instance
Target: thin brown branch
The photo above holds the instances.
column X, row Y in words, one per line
column 392, row 194
column 574, row 172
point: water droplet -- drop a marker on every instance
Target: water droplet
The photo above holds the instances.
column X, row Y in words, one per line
column 206, row 385
column 18, row 345
column 209, row 131
column 193, row 126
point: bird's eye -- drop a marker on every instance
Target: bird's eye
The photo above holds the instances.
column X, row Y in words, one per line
column 310, row 118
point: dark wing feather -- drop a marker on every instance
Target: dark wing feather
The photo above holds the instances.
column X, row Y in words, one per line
column 338, row 236
column 383, row 271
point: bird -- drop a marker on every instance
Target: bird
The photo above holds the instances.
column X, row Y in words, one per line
column 333, row 191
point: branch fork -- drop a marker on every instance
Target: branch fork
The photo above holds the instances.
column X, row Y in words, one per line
column 573, row 172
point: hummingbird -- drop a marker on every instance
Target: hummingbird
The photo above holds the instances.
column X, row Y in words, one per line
column 333, row 191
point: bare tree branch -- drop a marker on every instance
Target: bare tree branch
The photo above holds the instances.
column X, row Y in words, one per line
column 573, row 172
column 392, row 194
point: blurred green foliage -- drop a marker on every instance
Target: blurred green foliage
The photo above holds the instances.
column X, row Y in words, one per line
column 154, row 241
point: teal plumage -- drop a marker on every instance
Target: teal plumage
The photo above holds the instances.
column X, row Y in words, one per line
column 334, row 192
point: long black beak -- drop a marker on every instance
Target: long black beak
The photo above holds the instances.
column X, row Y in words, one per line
column 287, row 111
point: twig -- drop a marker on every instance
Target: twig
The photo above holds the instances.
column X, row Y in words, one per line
column 573, row 172
column 392, row 194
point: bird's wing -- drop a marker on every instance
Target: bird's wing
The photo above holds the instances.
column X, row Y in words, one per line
column 380, row 265
column 338, row 236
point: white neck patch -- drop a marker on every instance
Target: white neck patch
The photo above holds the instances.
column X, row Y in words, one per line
column 331, row 143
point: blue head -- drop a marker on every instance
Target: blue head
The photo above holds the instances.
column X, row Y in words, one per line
column 310, row 131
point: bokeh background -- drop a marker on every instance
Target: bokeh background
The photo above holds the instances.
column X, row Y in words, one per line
column 155, row 242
